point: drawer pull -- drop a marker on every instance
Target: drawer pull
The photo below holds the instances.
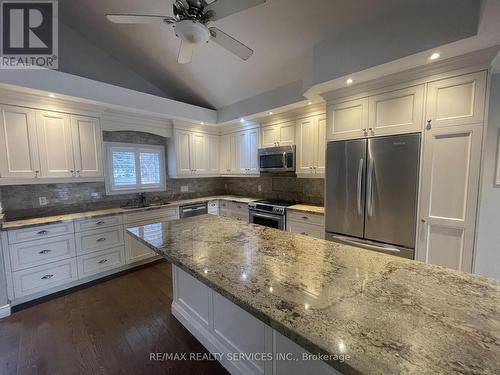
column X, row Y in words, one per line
column 100, row 223
column 101, row 239
column 305, row 218
column 102, row 261
column 42, row 232
column 44, row 252
column 46, row 277
column 304, row 234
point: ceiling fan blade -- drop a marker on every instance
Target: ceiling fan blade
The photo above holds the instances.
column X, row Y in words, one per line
column 231, row 44
column 139, row 19
column 223, row 8
column 185, row 52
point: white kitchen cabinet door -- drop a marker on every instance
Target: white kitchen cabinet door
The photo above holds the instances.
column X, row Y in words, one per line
column 307, row 144
column 348, row 119
column 448, row 204
column 55, row 144
column 243, row 151
column 457, row 101
column 225, row 154
column 253, row 147
column 234, row 153
column 18, row 143
column 199, row 155
column 212, row 150
column 183, row 152
column 396, row 112
column 321, row 149
column 282, row 134
column 87, row 146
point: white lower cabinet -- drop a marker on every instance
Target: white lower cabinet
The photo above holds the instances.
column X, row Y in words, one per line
column 38, row 279
column 99, row 239
column 100, row 261
column 245, row 344
column 306, row 224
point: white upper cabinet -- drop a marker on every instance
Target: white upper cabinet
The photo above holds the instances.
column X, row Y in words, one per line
column 457, row 101
column 183, row 152
column 348, row 119
column 247, row 146
column 225, row 154
column 213, row 149
column 253, row 147
column 199, row 154
column 311, row 144
column 55, row 144
column 18, row 143
column 396, row 112
column 87, row 146
column 282, row 134
column 448, row 203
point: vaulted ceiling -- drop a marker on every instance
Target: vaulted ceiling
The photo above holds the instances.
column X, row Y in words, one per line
column 285, row 35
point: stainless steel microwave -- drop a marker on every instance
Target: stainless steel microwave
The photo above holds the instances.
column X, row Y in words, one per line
column 277, row 159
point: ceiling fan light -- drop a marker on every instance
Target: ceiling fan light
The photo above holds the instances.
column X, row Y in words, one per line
column 192, row 31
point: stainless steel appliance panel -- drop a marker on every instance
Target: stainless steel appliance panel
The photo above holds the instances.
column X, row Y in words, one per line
column 277, row 159
column 267, row 219
column 193, row 210
column 345, row 187
column 391, row 189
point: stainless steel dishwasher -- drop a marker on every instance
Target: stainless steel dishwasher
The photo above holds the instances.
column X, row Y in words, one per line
column 193, row 210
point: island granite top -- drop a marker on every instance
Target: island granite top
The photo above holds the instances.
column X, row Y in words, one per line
column 390, row 315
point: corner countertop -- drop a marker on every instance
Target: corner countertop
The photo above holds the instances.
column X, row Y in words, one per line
column 389, row 314
column 307, row 209
column 17, row 224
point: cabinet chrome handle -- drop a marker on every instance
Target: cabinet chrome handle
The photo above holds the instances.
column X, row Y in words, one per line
column 36, row 174
column 305, row 218
column 102, row 261
column 422, row 220
column 44, row 252
column 363, row 130
column 42, row 232
column 46, row 277
column 101, row 239
column 429, row 125
column 100, row 223
column 304, row 234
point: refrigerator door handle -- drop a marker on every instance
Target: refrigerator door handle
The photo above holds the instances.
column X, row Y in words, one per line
column 360, row 181
column 371, row 169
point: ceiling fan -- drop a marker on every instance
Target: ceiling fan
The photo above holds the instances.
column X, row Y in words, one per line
column 190, row 21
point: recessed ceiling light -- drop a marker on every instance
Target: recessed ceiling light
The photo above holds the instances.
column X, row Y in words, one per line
column 270, row 113
column 435, row 56
column 309, row 103
column 202, row 123
column 52, row 95
column 242, row 120
column 349, row 81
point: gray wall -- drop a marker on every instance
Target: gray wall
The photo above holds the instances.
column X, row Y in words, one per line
column 487, row 260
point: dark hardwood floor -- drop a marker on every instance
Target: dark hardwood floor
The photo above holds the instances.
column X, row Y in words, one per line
column 108, row 328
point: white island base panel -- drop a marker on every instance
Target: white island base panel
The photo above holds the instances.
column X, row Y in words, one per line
column 243, row 344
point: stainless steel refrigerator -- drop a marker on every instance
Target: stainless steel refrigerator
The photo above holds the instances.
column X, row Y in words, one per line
column 371, row 193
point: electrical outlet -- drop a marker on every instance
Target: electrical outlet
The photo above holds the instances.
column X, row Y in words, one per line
column 184, row 188
column 43, row 201
column 225, row 186
column 96, row 195
column 259, row 188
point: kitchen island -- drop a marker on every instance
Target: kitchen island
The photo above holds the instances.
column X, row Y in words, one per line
column 249, row 288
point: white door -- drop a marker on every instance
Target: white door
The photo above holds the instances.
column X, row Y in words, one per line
column 457, row 101
column 396, row 112
column 270, row 136
column 253, row 147
column 18, row 143
column 55, row 144
column 243, row 151
column 321, row 148
column 450, row 180
column 199, row 156
column 87, row 146
column 212, row 150
column 348, row 119
column 286, row 133
column 307, row 139
column 183, row 152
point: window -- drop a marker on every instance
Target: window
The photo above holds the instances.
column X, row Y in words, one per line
column 134, row 168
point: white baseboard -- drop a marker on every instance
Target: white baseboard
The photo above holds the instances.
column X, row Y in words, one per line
column 4, row 311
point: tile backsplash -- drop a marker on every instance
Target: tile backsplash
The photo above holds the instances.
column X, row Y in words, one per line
column 22, row 201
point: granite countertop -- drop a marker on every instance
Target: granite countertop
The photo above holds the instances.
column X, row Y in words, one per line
column 307, row 209
column 16, row 224
column 389, row 314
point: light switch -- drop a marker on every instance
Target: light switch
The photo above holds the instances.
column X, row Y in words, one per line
column 43, row 201
column 184, row 188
